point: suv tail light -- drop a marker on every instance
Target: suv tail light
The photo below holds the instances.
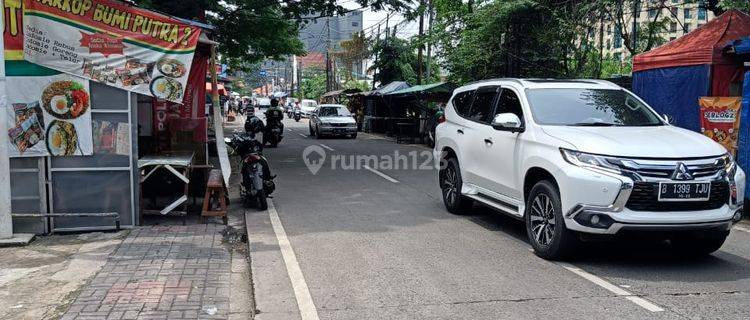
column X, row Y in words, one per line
column 441, row 119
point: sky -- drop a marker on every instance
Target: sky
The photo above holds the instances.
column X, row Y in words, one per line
column 372, row 18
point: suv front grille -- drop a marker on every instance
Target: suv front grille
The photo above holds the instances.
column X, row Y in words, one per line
column 664, row 171
column 644, row 197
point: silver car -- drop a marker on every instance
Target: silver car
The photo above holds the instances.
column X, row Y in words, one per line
column 332, row 120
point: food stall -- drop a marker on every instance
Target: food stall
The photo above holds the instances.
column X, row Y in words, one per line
column 86, row 99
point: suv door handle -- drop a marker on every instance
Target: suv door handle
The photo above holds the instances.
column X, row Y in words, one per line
column 488, row 141
column 459, row 131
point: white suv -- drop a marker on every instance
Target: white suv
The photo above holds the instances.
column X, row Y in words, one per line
column 574, row 157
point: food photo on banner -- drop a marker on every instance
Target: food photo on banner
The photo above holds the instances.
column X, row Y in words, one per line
column 110, row 42
column 49, row 116
column 720, row 120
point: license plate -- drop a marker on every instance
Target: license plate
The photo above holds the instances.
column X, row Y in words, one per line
column 684, row 191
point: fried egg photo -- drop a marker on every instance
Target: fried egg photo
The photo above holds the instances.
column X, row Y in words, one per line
column 59, row 104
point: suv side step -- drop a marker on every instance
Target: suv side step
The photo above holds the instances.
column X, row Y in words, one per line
column 503, row 206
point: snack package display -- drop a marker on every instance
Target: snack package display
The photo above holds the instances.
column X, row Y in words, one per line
column 29, row 126
column 720, row 120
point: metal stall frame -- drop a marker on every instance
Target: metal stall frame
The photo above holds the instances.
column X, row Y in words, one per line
column 130, row 169
column 41, row 186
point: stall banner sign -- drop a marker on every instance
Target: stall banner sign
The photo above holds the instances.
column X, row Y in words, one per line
column 111, row 42
column 49, row 116
column 720, row 120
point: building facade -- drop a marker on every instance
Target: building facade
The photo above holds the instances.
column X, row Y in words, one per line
column 315, row 34
column 683, row 18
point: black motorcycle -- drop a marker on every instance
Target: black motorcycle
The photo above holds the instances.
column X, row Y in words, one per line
column 274, row 130
column 257, row 181
column 297, row 114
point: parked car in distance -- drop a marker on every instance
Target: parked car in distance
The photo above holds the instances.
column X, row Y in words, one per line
column 264, row 103
column 577, row 157
column 332, row 120
column 307, row 106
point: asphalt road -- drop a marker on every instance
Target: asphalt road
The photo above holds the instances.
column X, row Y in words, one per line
column 360, row 244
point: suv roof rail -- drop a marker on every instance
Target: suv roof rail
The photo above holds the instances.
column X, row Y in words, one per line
column 494, row 79
column 538, row 80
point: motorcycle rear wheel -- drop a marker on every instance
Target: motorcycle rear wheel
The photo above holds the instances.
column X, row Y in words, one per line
column 262, row 200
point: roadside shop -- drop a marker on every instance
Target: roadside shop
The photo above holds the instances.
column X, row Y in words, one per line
column 96, row 99
column 697, row 81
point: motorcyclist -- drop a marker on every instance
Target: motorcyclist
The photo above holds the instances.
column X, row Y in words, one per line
column 274, row 115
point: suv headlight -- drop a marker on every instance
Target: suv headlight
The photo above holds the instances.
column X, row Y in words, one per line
column 590, row 161
column 729, row 164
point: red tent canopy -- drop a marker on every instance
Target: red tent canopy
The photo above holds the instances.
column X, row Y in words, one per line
column 702, row 46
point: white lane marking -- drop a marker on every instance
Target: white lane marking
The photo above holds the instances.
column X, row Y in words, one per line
column 742, row 229
column 648, row 305
column 382, row 175
column 327, row 147
column 305, row 303
column 302, row 135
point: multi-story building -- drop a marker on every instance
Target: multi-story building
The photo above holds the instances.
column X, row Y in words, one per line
column 684, row 18
column 315, row 34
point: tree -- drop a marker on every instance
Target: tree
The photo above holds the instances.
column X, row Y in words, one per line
column 313, row 84
column 353, row 51
column 397, row 61
column 720, row 6
column 251, row 30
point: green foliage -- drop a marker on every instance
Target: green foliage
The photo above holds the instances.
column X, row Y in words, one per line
column 313, row 83
column 743, row 5
column 354, row 84
column 537, row 38
column 397, row 61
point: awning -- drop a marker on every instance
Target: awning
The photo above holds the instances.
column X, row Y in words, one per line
column 391, row 87
column 702, row 46
column 340, row 92
column 222, row 90
column 432, row 88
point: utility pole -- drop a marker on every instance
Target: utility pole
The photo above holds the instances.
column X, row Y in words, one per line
column 601, row 45
column 374, row 70
column 636, row 13
column 429, row 43
column 328, row 54
column 420, row 54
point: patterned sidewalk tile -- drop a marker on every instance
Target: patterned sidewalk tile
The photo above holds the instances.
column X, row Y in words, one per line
column 161, row 272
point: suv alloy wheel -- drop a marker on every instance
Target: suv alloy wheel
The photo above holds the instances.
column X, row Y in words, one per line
column 544, row 223
column 450, row 185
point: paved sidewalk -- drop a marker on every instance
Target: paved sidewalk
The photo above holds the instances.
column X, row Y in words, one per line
column 161, row 272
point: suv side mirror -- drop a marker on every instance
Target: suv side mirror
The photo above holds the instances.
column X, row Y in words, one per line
column 507, row 122
column 668, row 118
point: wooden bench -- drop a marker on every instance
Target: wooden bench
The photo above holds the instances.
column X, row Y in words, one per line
column 215, row 202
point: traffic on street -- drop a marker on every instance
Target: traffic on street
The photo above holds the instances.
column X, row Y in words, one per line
column 342, row 240
column 374, row 159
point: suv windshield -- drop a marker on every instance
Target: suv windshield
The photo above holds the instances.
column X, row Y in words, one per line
column 589, row 107
column 334, row 112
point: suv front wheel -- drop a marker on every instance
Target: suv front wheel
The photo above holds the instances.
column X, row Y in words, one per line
column 544, row 223
column 450, row 185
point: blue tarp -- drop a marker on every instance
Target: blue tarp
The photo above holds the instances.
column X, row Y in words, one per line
column 743, row 145
column 741, row 46
column 675, row 91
